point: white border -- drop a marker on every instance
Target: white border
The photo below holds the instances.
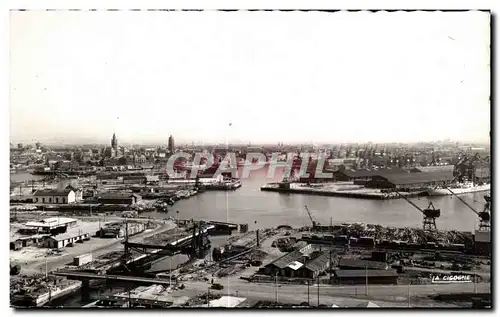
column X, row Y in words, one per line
column 493, row 5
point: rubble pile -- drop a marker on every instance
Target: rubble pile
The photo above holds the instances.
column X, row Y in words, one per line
column 411, row 235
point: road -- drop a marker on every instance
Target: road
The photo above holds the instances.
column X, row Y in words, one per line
column 115, row 244
column 330, row 294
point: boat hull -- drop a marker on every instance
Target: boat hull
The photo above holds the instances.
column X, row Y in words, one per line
column 458, row 191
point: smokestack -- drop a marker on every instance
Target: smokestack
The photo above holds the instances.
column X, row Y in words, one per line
column 257, row 235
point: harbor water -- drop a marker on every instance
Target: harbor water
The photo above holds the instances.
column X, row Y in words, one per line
column 261, row 209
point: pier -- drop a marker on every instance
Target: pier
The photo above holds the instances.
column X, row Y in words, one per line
column 331, row 193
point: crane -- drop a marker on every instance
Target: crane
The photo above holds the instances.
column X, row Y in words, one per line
column 314, row 223
column 484, row 216
column 430, row 213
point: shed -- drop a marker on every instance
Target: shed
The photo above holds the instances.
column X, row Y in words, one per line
column 358, row 264
column 363, row 276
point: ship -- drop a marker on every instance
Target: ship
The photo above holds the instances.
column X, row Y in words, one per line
column 458, row 189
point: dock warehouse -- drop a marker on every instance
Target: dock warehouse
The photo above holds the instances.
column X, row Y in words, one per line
column 362, row 276
column 62, row 240
column 361, row 176
column 49, row 224
column 308, row 263
column 410, row 182
column 119, row 198
column 357, row 264
column 54, row 196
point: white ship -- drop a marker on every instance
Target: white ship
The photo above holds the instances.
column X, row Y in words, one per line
column 458, row 189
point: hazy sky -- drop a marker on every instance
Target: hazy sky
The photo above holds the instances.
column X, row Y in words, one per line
column 276, row 76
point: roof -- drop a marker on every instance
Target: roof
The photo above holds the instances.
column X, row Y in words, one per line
column 318, row 262
column 363, row 264
column 52, row 192
column 64, row 236
column 419, row 178
column 286, row 259
column 152, row 178
column 50, row 222
column 373, row 172
column 363, row 273
column 117, row 195
column 295, row 265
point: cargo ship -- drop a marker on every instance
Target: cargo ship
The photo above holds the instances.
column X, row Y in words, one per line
column 458, row 189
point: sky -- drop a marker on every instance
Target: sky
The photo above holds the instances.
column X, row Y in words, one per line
column 260, row 77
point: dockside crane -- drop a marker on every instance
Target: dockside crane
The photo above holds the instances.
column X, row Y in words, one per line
column 484, row 216
column 314, row 223
column 430, row 213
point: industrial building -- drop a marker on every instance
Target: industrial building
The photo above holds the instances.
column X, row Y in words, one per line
column 118, row 198
column 54, row 196
column 64, row 239
column 48, row 225
column 411, row 181
column 351, row 277
column 304, row 263
column 361, row 176
column 358, row 264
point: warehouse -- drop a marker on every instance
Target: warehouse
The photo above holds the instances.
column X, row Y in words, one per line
column 315, row 265
column 54, row 196
column 65, row 239
column 357, row 264
column 411, row 182
column 50, row 224
column 361, row 176
column 366, row 276
column 119, row 198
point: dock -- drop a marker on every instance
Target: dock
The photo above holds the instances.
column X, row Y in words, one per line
column 332, row 193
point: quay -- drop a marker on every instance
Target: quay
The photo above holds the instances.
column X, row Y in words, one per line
column 362, row 194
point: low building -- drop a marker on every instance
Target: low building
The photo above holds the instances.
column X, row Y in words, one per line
column 49, row 224
column 78, row 192
column 361, row 176
column 302, row 263
column 62, row 240
column 358, row 264
column 351, row 277
column 152, row 179
column 411, row 181
column 314, row 266
column 54, row 196
column 119, row 198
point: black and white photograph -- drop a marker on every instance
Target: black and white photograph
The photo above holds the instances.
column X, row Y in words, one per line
column 258, row 159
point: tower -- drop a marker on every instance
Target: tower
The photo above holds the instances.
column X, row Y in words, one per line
column 171, row 146
column 114, row 142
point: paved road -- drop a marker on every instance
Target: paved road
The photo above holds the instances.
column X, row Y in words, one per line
column 328, row 293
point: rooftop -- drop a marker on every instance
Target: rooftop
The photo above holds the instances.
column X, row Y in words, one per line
column 363, row 264
column 50, row 222
column 53, row 192
column 419, row 178
column 363, row 273
column 374, row 172
column 64, row 236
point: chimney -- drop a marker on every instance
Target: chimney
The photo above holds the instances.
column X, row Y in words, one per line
column 257, row 236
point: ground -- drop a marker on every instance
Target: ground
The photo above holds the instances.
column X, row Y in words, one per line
column 36, row 260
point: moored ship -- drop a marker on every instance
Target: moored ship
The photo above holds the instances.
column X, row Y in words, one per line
column 458, row 189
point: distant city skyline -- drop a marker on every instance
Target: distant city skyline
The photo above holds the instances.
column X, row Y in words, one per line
column 219, row 77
